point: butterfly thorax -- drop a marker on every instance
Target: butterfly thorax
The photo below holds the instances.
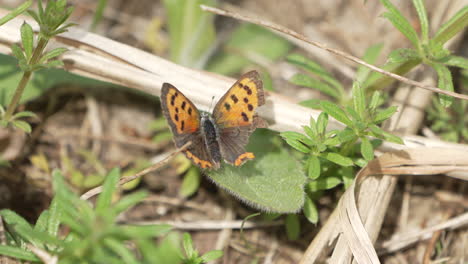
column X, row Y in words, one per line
column 210, row 134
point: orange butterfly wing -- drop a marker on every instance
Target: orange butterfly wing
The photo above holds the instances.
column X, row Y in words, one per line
column 182, row 115
column 184, row 120
column 235, row 117
column 237, row 106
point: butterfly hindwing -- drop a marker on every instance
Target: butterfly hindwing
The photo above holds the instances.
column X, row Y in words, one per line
column 235, row 117
column 184, row 121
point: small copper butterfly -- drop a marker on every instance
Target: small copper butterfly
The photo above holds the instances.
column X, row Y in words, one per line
column 217, row 136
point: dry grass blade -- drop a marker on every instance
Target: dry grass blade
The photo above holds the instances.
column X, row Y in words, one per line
column 43, row 255
column 130, row 178
column 403, row 240
column 431, row 161
column 334, row 51
column 101, row 58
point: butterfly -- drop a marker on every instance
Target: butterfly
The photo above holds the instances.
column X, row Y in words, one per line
column 221, row 135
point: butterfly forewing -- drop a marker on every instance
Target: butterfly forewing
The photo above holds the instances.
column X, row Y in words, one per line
column 184, row 120
column 237, row 107
column 179, row 110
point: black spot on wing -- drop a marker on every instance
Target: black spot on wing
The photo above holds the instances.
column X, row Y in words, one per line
column 182, row 125
column 250, row 107
column 246, row 100
column 183, row 105
column 234, row 98
column 176, row 117
column 227, row 106
column 247, row 89
column 245, row 117
column 190, row 111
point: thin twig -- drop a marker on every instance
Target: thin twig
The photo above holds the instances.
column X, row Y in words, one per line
column 432, row 242
column 210, row 225
column 334, row 51
column 130, row 178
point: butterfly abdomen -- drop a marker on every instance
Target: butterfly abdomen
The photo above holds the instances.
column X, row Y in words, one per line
column 211, row 139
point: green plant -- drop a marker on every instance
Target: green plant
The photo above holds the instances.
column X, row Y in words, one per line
column 32, row 56
column 450, row 123
column 329, row 156
column 192, row 32
column 94, row 235
column 426, row 50
column 191, row 254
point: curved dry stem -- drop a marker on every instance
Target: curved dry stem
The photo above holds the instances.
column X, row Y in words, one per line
column 334, row 51
column 130, row 178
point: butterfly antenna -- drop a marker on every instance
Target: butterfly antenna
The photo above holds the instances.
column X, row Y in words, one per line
column 211, row 104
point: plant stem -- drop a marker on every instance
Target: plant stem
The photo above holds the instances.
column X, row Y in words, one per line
column 25, row 79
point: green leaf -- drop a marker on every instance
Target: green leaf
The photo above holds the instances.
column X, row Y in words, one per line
column 144, row 231
column 400, row 22
column 190, row 252
column 380, row 133
column 34, row 15
column 311, row 133
column 307, row 81
column 191, row 31
column 383, row 115
column 110, row 184
column 421, row 10
column 296, row 136
column 293, row 226
column 98, row 14
column 313, row 167
column 128, row 201
column 359, row 100
column 336, row 112
column 42, row 220
column 18, row 53
column 22, row 125
column 212, row 255
column 27, row 39
column 54, row 217
column 346, row 135
column 324, row 183
column 24, row 114
column 311, row 103
column 456, row 24
column 119, row 248
column 370, row 56
column 52, row 54
column 167, row 251
column 375, row 100
column 366, row 149
column 298, row 145
column 403, row 55
column 273, row 181
column 456, row 61
column 311, row 211
column 316, row 69
column 445, row 83
column 247, row 43
column 339, row 159
column 18, row 253
column 322, row 123
column 16, row 12
column 191, row 182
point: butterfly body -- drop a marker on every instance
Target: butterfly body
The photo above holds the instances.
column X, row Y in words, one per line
column 210, row 134
column 221, row 135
